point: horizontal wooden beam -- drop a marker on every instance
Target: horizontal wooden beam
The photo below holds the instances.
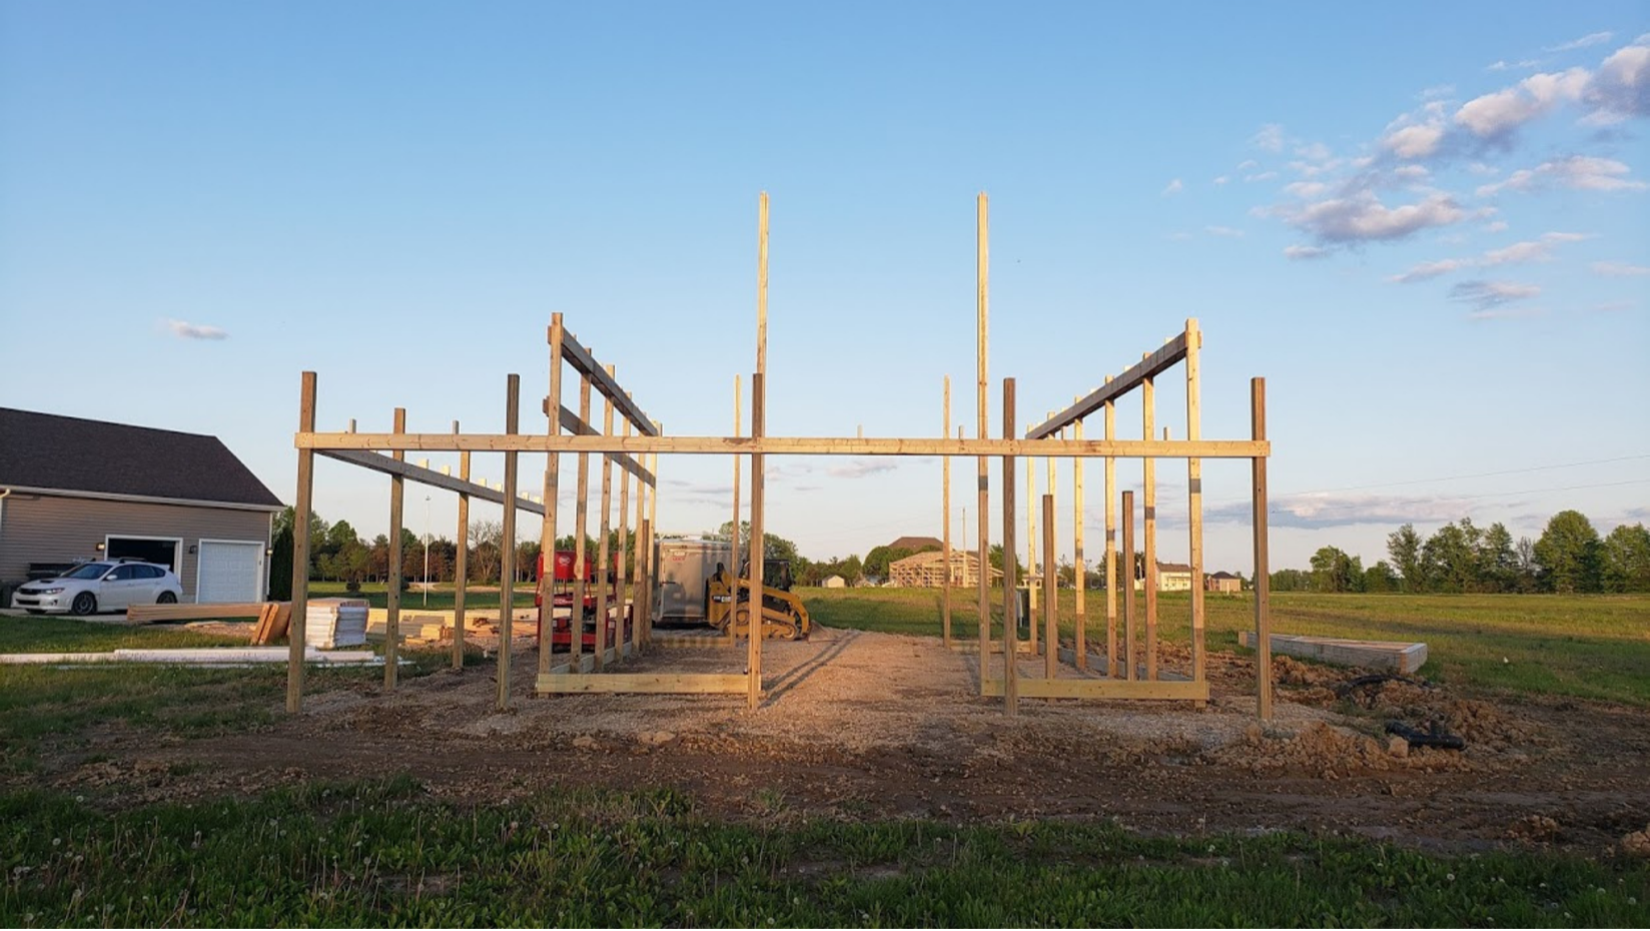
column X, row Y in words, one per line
column 424, row 476
column 587, row 366
column 641, row 682
column 1123, row 689
column 148, row 614
column 1172, row 352
column 787, row 446
column 571, row 422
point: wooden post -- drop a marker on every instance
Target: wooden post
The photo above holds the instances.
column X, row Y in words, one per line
column 604, row 553
column 1011, row 597
column 581, row 526
column 1080, row 566
column 1148, row 400
column 652, row 532
column 627, row 620
column 1051, row 603
column 1112, row 579
column 392, row 600
column 982, row 267
column 552, row 489
column 1129, row 669
column 507, row 545
column 1194, row 486
column 300, row 549
column 945, row 505
column 733, row 555
column 1263, row 579
column 758, row 504
column 461, row 559
column 1031, row 550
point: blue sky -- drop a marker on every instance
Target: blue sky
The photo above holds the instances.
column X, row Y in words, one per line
column 1426, row 226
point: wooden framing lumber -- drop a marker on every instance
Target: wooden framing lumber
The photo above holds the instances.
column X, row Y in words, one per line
column 945, row 508
column 1263, row 578
column 1153, row 364
column 640, row 682
column 622, row 584
column 1079, row 562
column 738, row 467
column 552, row 490
column 1148, row 420
column 302, row 505
column 1100, row 689
column 507, row 544
column 572, row 423
column 1194, row 486
column 149, row 614
column 604, row 553
column 585, row 363
column 461, row 559
column 426, row 476
column 1051, row 601
column 1112, row 579
column 787, row 445
column 392, row 596
column 982, row 267
column 1011, row 599
column 581, row 526
column 1130, row 617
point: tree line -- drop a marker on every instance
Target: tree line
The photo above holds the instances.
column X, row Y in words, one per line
column 1569, row 556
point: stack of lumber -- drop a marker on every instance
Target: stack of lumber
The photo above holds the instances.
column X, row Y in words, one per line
column 148, row 614
column 335, row 622
column 273, row 622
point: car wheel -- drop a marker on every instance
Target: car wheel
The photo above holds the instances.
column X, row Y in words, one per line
column 84, row 603
column 166, row 598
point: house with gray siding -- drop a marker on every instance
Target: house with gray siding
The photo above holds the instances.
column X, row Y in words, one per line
column 74, row 489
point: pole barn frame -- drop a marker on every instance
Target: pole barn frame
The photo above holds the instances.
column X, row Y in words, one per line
column 572, row 433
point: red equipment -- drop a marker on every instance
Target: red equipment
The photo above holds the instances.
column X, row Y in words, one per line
column 560, row 583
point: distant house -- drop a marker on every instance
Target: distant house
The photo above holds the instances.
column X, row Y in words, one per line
column 1223, row 582
column 1171, row 577
column 74, row 489
column 928, row 570
column 915, row 544
column 835, row 581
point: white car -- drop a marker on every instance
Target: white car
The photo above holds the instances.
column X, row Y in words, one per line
column 100, row 586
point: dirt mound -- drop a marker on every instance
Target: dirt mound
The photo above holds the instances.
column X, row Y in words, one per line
column 1322, row 750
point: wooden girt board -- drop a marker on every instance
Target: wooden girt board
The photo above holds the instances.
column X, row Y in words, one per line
column 787, row 446
column 1151, row 366
column 574, row 352
column 1094, row 689
column 642, row 682
column 377, row 463
column 571, row 422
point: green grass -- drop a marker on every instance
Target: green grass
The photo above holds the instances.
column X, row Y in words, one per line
column 1581, row 646
column 386, row 854
column 46, row 707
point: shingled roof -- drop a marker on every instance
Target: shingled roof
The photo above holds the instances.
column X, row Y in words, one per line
column 70, row 454
column 916, row 543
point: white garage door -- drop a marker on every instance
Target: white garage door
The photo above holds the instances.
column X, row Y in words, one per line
column 230, row 572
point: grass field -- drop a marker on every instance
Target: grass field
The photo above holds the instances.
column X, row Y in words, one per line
column 1583, row 646
column 385, row 854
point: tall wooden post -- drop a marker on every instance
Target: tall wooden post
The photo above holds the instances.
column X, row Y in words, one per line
column 758, row 480
column 1051, row 603
column 1148, row 395
column 392, row 601
column 1194, row 486
column 1129, row 616
column 552, row 489
column 507, row 545
column 733, row 555
column 1011, row 597
column 1112, row 577
column 461, row 559
column 604, row 552
column 581, row 527
column 1080, row 566
column 1263, row 579
column 982, row 267
column 652, row 532
column 300, row 549
column 945, row 506
column 626, row 622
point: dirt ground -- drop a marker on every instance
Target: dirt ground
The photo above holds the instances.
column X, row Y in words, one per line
column 862, row 725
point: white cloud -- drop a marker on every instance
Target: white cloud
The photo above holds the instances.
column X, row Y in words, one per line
column 1306, row 190
column 1522, row 65
column 860, row 468
column 1416, row 136
column 1412, row 172
column 1226, row 231
column 1221, row 180
column 1304, row 253
column 1494, row 116
column 1505, row 313
column 1486, row 295
column 1331, row 509
column 1173, row 187
column 1361, row 217
column 1269, row 138
column 1619, row 269
column 1591, row 39
column 185, row 330
column 1622, row 86
column 1613, row 307
column 1577, row 172
column 1429, row 270
column 1479, row 168
column 1262, row 176
column 1495, row 226
column 1437, row 93
column 1248, row 164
